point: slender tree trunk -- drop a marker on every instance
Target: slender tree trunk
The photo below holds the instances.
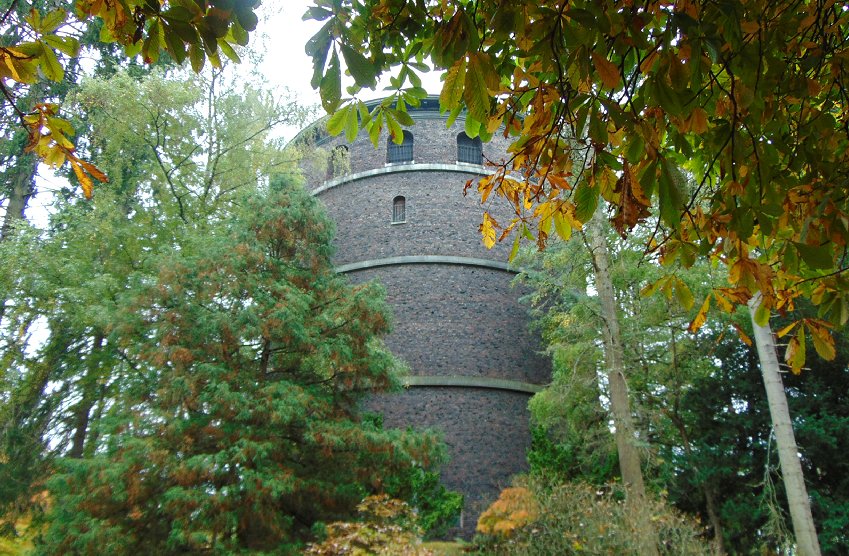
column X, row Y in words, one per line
column 629, row 457
column 20, row 191
column 788, row 453
column 82, row 412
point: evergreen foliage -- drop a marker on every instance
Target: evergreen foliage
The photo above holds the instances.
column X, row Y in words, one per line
column 237, row 427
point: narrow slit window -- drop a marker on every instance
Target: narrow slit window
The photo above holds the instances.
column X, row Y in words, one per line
column 399, row 210
column 396, row 153
column 469, row 150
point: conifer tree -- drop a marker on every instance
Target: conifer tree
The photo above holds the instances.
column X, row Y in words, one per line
column 239, row 428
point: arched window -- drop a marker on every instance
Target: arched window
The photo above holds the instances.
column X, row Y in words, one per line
column 339, row 162
column 469, row 150
column 396, row 153
column 399, row 210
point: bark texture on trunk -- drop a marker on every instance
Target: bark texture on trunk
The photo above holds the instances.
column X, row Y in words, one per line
column 807, row 542
column 629, row 457
column 20, row 191
column 82, row 412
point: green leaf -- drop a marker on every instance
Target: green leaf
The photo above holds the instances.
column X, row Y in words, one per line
column 395, row 131
column 762, row 315
column 337, row 120
column 683, row 294
column 152, row 44
column 817, row 257
column 515, row 250
column 66, row 45
column 177, row 13
column 403, row 118
column 246, row 17
column 361, row 69
column 197, row 57
column 472, row 127
column 635, row 150
column 49, row 63
column 669, row 197
column 53, row 20
column 375, row 127
column 452, row 89
column 317, row 48
column 175, row 46
column 317, row 13
column 479, row 78
column 351, row 123
column 598, row 128
column 452, row 117
column 331, row 85
column 586, row 201
column 228, row 51
column 667, row 98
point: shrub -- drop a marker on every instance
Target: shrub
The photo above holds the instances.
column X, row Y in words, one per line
column 388, row 527
column 578, row 518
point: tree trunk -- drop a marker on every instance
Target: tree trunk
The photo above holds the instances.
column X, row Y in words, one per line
column 629, row 457
column 20, row 191
column 82, row 412
column 788, row 454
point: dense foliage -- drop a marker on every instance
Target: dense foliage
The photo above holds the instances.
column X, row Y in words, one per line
column 181, row 367
column 41, row 42
column 702, row 415
column 580, row 518
column 237, row 428
column 607, row 99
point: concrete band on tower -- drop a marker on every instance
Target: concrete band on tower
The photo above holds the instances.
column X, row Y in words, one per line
column 402, row 219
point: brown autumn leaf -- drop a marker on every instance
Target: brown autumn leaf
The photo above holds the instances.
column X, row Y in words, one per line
column 633, row 205
column 608, row 71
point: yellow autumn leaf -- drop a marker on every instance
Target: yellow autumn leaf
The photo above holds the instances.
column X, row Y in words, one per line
column 85, row 180
column 701, row 317
column 823, row 340
column 487, row 230
column 784, row 331
column 562, row 225
column 795, row 354
column 742, row 334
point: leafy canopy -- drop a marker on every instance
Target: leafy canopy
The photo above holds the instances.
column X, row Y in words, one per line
column 612, row 99
column 45, row 42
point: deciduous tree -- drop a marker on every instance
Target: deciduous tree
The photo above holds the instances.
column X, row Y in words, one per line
column 43, row 42
column 750, row 97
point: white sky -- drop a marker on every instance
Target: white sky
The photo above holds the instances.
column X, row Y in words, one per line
column 286, row 64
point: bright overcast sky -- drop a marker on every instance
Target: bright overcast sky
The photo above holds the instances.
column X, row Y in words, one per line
column 286, row 64
column 284, row 36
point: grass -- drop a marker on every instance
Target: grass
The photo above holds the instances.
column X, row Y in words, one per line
column 444, row 548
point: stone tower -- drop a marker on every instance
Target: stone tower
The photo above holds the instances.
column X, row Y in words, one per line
column 402, row 219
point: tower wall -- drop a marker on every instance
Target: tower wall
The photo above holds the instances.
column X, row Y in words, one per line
column 458, row 322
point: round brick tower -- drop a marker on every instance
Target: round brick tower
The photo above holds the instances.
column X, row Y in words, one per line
column 402, row 219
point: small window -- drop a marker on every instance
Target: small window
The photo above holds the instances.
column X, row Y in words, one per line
column 469, row 150
column 400, row 153
column 399, row 210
